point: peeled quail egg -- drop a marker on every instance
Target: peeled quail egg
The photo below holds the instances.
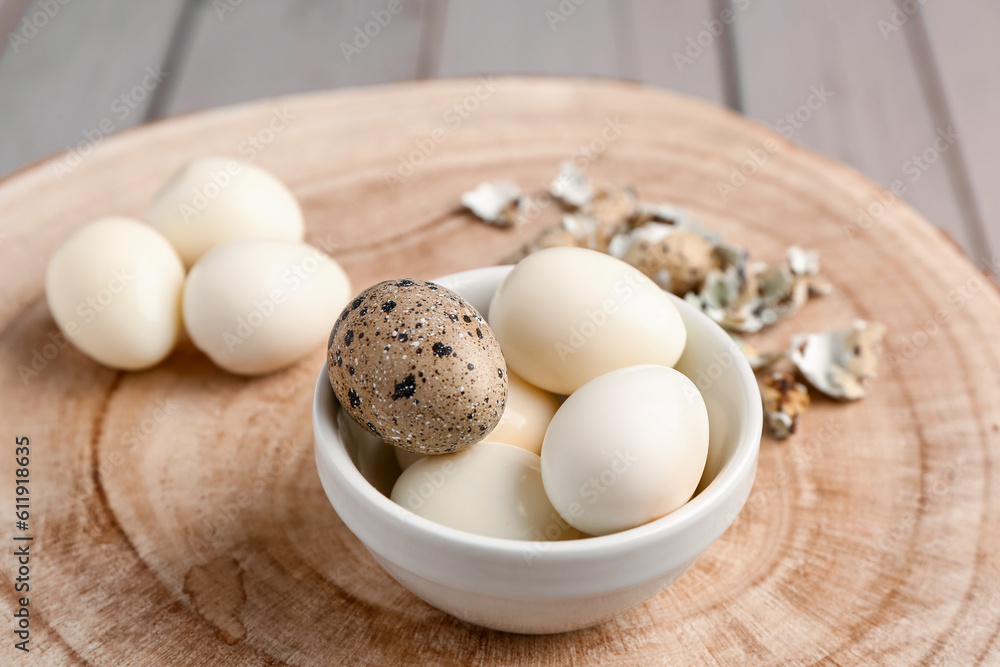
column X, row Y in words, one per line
column 418, row 366
column 405, row 458
column 528, row 413
column 567, row 315
column 626, row 448
column 490, row 488
column 211, row 200
column 255, row 305
column 114, row 288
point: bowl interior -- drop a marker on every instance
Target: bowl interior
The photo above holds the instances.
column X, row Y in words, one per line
column 711, row 360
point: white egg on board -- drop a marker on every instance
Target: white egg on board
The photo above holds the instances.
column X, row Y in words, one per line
column 114, row 289
column 564, row 316
column 526, row 415
column 626, row 448
column 254, row 305
column 211, row 200
column 490, row 488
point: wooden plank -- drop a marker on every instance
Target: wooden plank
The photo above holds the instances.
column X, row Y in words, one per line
column 682, row 46
column 877, row 118
column 10, row 18
column 569, row 39
column 71, row 74
column 966, row 52
column 239, row 52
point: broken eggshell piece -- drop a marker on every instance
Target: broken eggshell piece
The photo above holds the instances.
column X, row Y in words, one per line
column 496, row 202
column 572, row 186
column 840, row 363
column 756, row 358
column 677, row 260
column 785, row 400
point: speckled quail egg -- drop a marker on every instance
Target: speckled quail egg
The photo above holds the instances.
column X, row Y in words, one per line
column 418, row 366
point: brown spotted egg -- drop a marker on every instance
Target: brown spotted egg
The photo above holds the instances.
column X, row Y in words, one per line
column 418, row 366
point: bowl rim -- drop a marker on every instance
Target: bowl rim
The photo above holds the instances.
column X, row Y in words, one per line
column 726, row 482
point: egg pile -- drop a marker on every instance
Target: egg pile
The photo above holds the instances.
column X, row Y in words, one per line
column 596, row 432
column 255, row 297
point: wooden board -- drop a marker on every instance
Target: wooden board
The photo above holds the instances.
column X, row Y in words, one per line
column 879, row 114
column 293, row 47
column 177, row 514
column 64, row 81
column 663, row 36
column 972, row 99
column 480, row 37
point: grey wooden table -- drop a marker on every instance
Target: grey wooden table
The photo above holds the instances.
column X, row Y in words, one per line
column 904, row 90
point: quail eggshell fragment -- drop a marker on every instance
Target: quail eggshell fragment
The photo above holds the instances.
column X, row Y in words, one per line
column 255, row 305
column 114, row 289
column 626, row 448
column 490, row 489
column 567, row 315
column 528, row 413
column 211, row 200
column 418, row 366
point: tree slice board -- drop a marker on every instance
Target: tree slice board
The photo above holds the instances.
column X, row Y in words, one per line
column 177, row 513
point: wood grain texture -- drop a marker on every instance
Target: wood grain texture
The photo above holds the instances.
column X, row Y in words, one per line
column 878, row 118
column 68, row 79
column 178, row 513
column 257, row 49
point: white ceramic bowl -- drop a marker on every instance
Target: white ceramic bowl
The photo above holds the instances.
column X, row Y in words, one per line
column 545, row 587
